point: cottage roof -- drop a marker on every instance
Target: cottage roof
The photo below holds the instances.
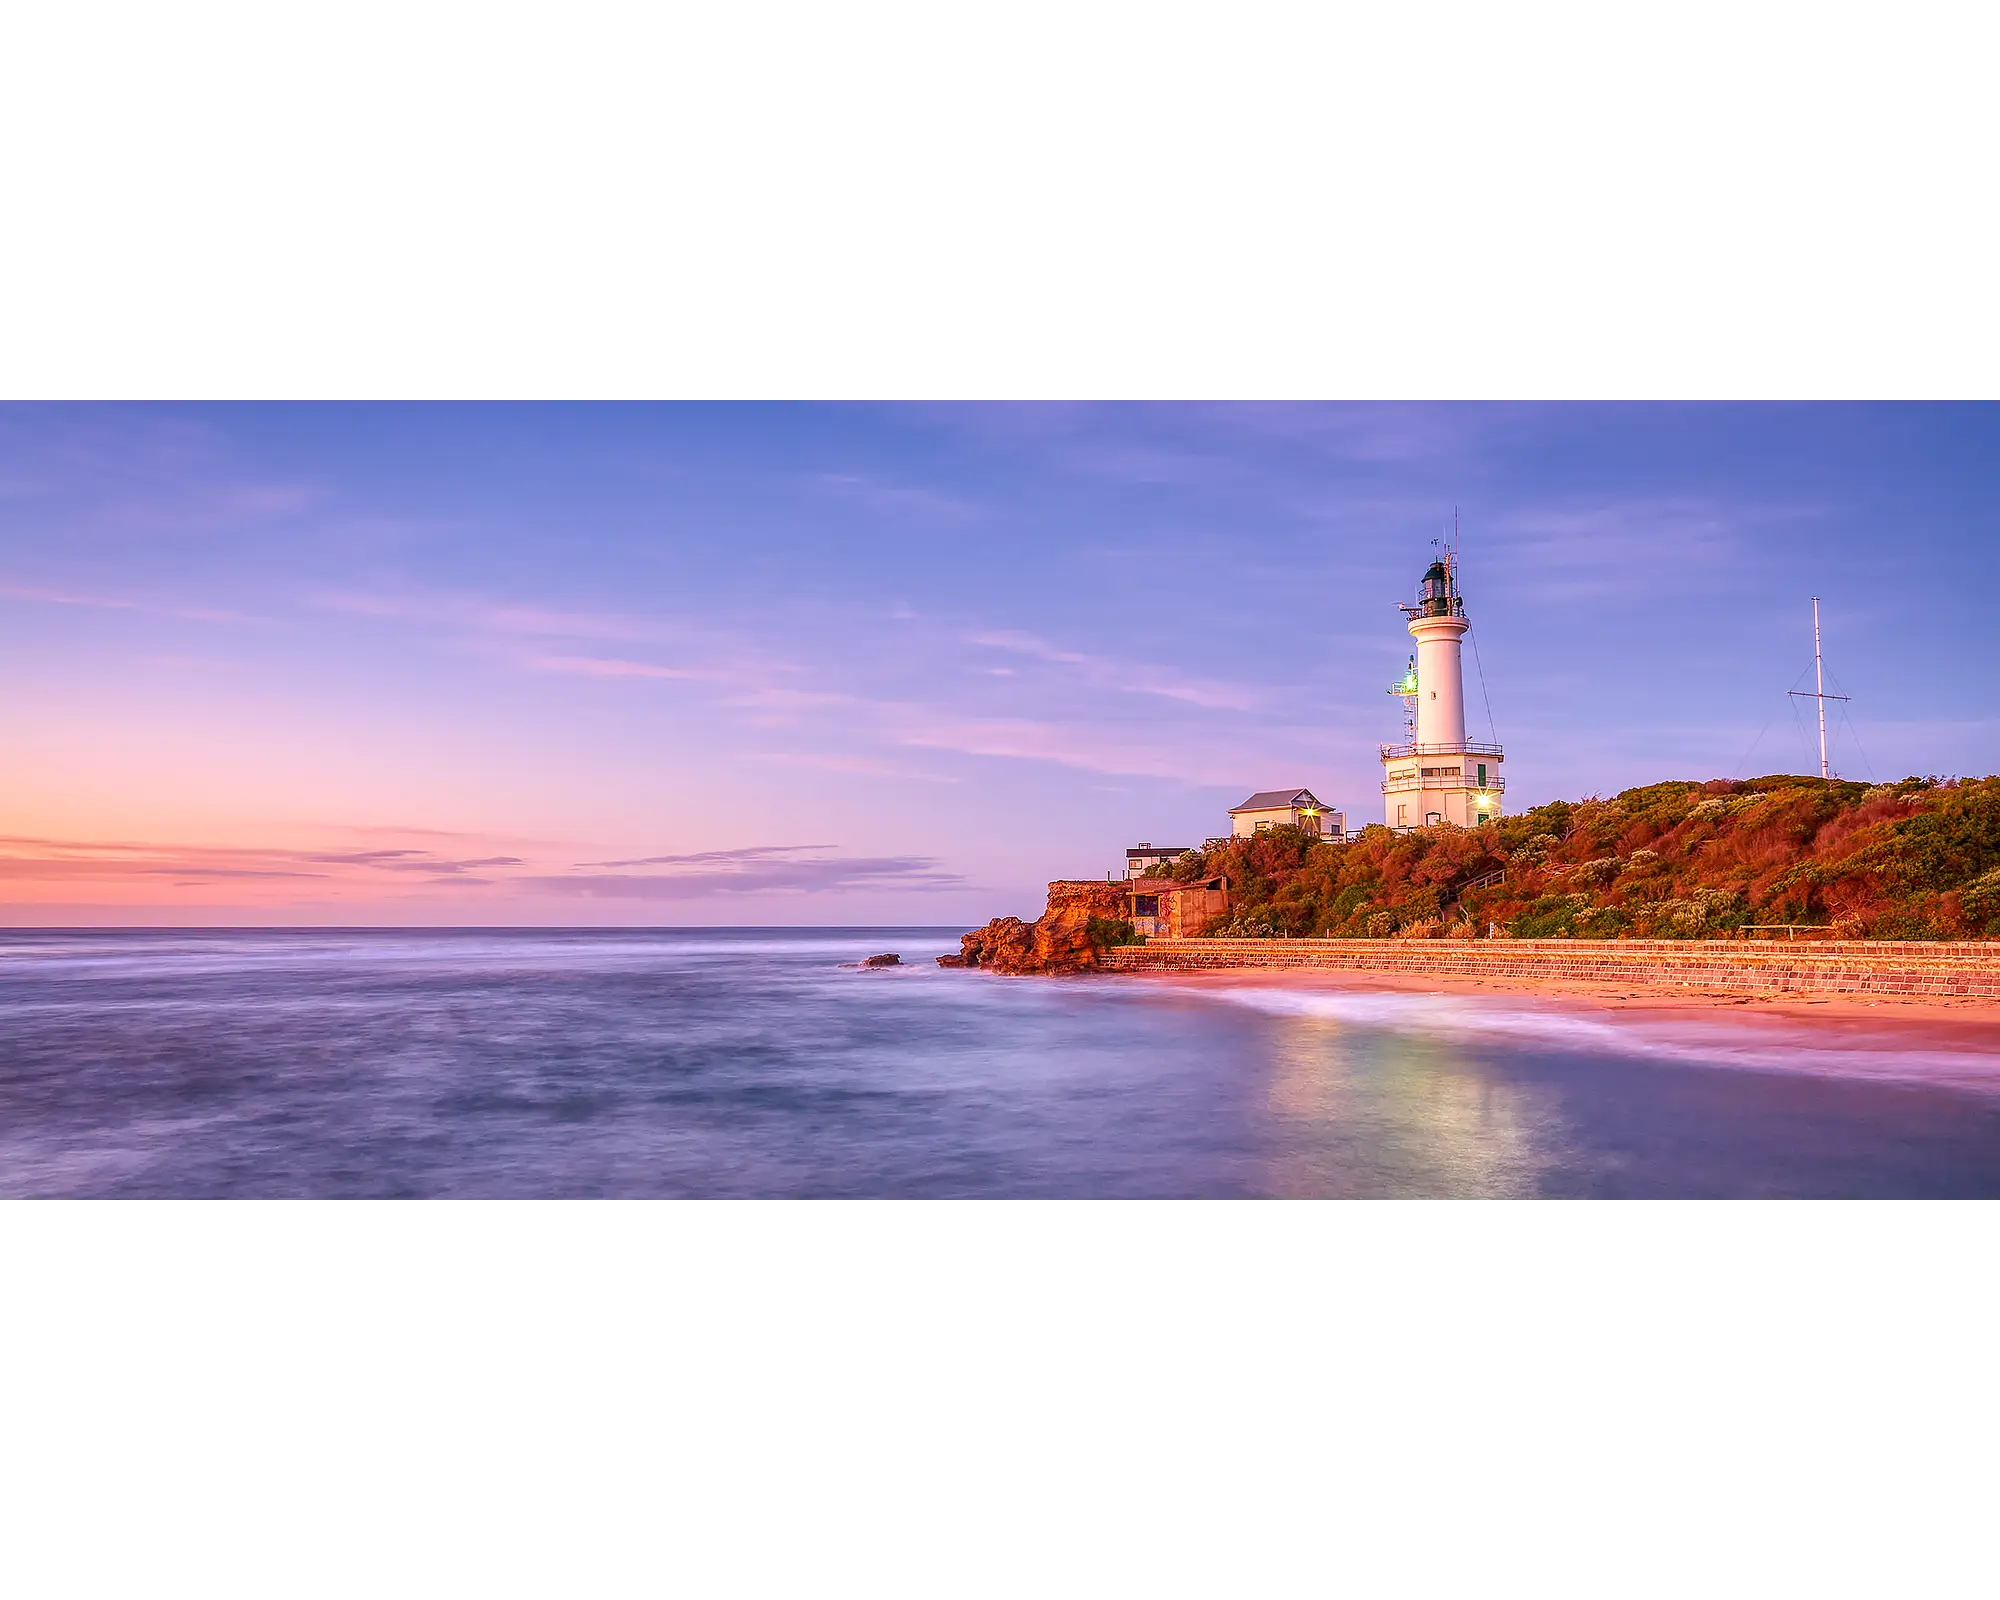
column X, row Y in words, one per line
column 1277, row 800
column 1147, row 851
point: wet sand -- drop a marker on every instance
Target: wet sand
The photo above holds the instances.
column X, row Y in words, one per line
column 1878, row 1022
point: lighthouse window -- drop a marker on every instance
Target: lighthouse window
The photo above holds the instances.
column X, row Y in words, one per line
column 1482, row 774
column 1441, row 772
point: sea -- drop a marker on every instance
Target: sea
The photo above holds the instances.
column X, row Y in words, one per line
column 768, row 1063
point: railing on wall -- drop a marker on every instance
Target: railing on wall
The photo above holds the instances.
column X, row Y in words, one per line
column 1396, row 752
column 1396, row 785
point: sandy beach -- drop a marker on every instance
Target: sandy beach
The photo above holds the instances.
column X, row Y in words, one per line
column 1961, row 1026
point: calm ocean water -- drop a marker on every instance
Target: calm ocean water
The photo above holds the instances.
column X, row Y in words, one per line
column 755, row 1063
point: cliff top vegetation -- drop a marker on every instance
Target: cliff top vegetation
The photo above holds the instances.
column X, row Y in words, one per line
column 1919, row 859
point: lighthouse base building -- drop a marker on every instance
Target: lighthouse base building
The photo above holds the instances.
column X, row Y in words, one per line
column 1438, row 775
column 1424, row 784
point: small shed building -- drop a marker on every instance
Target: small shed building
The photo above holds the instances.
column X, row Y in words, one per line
column 1159, row 908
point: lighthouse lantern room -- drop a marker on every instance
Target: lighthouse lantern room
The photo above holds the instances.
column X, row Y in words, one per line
column 1437, row 775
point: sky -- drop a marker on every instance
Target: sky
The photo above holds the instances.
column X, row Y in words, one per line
column 865, row 664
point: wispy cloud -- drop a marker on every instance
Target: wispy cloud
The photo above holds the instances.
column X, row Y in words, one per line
column 1022, row 739
column 1096, row 730
column 411, row 861
column 83, row 869
column 766, row 691
column 1587, row 549
column 858, row 765
column 1256, row 445
column 382, row 830
column 77, row 861
column 899, row 500
column 1124, row 676
column 753, row 696
column 753, row 869
column 608, row 667
column 1362, row 433
column 517, row 634
column 710, row 858
column 471, row 613
column 140, row 472
column 102, row 602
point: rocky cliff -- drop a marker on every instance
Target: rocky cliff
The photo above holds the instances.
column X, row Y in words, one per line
column 1058, row 941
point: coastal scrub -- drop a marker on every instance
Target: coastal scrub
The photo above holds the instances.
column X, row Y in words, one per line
column 1919, row 859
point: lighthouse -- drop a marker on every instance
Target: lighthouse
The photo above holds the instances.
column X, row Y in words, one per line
column 1437, row 775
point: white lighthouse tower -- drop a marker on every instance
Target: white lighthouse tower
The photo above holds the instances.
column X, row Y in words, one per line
column 1438, row 775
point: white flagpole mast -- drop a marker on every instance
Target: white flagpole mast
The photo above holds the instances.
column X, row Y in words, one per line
column 1819, row 684
column 1819, row 696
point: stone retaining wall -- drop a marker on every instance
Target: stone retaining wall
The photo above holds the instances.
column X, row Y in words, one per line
column 1968, row 969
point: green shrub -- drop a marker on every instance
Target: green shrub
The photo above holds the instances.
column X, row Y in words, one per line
column 1108, row 933
column 1680, row 860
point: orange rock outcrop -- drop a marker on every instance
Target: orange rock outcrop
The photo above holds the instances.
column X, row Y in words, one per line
column 1058, row 941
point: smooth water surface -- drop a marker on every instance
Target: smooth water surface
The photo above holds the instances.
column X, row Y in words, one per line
column 697, row 1062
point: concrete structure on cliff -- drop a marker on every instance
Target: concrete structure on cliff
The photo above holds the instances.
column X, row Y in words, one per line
column 1159, row 908
column 1142, row 858
column 1437, row 775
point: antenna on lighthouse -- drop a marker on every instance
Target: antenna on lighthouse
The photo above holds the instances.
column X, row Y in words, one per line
column 1819, row 693
column 1406, row 688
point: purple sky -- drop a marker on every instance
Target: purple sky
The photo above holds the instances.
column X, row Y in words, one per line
column 812, row 663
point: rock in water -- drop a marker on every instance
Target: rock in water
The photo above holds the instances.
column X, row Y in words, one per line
column 883, row 961
column 1059, row 942
column 1006, row 944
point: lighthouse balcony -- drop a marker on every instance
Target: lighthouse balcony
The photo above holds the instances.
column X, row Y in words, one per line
column 1435, row 778
column 1397, row 752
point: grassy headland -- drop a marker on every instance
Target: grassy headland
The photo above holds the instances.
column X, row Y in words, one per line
column 1919, row 859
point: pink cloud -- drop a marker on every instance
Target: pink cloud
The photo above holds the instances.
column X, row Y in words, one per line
column 608, row 667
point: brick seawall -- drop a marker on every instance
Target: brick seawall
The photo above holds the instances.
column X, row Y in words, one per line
column 1968, row 970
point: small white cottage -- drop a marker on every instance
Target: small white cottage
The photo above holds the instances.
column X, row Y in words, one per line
column 1285, row 808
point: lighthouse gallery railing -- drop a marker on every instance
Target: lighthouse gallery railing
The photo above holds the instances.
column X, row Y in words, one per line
column 1395, row 752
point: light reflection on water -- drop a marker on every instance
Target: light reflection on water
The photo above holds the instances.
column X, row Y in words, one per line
column 754, row 1063
column 1368, row 1112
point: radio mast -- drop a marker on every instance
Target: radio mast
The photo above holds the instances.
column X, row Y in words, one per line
column 1819, row 693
